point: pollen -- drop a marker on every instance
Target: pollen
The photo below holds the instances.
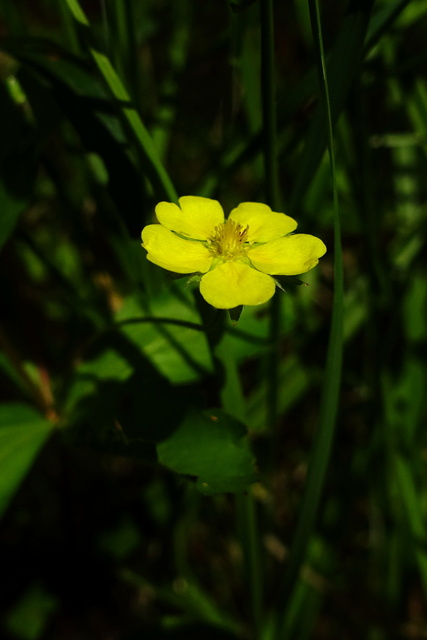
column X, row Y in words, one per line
column 228, row 240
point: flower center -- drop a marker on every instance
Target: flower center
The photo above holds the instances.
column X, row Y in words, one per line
column 228, row 240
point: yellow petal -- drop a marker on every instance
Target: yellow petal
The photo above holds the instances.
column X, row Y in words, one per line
column 196, row 217
column 288, row 256
column 231, row 284
column 264, row 224
column 173, row 253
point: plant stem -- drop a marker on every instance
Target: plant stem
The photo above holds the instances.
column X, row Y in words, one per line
column 331, row 387
column 268, row 94
column 233, row 402
column 271, row 186
column 249, row 536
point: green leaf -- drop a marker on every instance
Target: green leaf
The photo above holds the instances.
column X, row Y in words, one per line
column 23, row 433
column 211, row 446
column 169, row 334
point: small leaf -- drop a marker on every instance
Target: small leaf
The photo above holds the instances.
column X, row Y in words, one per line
column 210, row 446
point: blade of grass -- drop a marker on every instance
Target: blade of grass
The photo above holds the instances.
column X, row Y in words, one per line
column 122, row 46
column 178, row 49
column 331, row 387
column 190, row 599
column 69, row 29
column 349, row 45
column 12, row 360
column 343, row 65
column 269, row 104
column 414, row 514
column 381, row 22
column 269, row 126
column 131, row 119
column 309, row 592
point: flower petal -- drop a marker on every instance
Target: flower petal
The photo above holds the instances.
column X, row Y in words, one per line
column 231, row 284
column 288, row 256
column 197, row 217
column 264, row 224
column 171, row 252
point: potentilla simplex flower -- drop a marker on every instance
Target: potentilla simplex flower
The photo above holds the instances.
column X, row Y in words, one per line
column 238, row 257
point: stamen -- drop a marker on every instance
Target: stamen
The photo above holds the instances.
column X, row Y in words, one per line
column 228, row 240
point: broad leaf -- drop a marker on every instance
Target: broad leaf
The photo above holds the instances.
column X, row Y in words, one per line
column 23, row 432
column 212, row 447
column 169, row 334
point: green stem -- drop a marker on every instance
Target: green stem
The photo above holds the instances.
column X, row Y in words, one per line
column 330, row 393
column 271, row 186
column 268, row 92
column 233, row 402
column 248, row 531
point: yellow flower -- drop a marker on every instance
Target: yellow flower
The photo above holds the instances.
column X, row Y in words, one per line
column 237, row 256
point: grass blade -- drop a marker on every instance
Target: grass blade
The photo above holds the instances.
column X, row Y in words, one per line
column 131, row 119
column 343, row 65
column 331, row 388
